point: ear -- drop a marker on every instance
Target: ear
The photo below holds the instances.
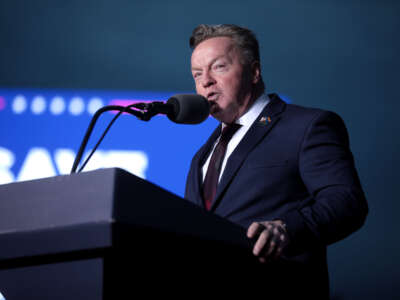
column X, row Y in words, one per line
column 255, row 71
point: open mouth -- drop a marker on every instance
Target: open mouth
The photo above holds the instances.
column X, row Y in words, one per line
column 212, row 96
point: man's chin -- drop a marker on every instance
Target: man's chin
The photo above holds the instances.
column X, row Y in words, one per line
column 217, row 117
column 216, row 112
column 221, row 117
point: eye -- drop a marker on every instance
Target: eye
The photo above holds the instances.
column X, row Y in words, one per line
column 196, row 75
column 220, row 66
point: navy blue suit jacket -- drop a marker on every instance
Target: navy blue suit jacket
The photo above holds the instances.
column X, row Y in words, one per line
column 293, row 164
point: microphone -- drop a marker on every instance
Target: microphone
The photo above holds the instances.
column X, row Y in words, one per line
column 182, row 108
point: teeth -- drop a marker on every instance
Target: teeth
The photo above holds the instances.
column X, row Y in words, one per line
column 212, row 95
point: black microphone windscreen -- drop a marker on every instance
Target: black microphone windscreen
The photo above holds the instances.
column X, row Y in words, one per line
column 188, row 108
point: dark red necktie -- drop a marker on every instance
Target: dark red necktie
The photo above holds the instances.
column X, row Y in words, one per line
column 214, row 167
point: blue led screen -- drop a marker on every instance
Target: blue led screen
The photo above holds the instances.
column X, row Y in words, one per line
column 41, row 130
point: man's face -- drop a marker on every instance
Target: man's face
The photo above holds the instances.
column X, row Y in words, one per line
column 220, row 76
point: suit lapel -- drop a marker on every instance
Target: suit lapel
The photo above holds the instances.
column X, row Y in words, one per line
column 199, row 161
column 260, row 128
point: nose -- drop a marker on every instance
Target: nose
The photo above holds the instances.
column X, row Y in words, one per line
column 207, row 80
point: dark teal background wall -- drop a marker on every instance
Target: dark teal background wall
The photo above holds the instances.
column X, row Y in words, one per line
column 337, row 55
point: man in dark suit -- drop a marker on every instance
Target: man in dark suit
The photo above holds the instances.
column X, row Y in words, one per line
column 282, row 171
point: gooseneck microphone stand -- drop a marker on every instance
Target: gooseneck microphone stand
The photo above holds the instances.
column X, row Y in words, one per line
column 143, row 111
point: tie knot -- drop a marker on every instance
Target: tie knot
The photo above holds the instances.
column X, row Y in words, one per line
column 229, row 131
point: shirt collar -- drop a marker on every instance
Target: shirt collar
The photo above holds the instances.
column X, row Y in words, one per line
column 254, row 111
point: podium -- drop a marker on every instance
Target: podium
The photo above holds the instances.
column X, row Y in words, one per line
column 107, row 234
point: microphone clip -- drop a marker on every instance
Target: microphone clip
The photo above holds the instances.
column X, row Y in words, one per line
column 149, row 110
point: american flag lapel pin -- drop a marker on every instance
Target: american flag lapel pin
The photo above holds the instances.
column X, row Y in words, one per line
column 264, row 120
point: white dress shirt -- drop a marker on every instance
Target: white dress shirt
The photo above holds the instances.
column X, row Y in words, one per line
column 246, row 121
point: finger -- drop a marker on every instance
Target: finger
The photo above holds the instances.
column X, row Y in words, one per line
column 254, row 229
column 273, row 243
column 269, row 225
column 277, row 253
column 261, row 243
column 262, row 260
column 272, row 246
column 281, row 244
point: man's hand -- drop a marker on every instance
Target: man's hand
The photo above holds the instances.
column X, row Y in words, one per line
column 272, row 238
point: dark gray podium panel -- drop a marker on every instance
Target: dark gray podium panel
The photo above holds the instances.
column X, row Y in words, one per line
column 95, row 201
column 78, row 280
column 140, row 262
column 107, row 234
column 55, row 263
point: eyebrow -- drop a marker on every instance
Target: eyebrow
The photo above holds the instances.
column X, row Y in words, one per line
column 213, row 61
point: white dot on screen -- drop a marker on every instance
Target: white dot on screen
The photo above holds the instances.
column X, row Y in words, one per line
column 94, row 104
column 57, row 105
column 19, row 104
column 76, row 106
column 38, row 105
